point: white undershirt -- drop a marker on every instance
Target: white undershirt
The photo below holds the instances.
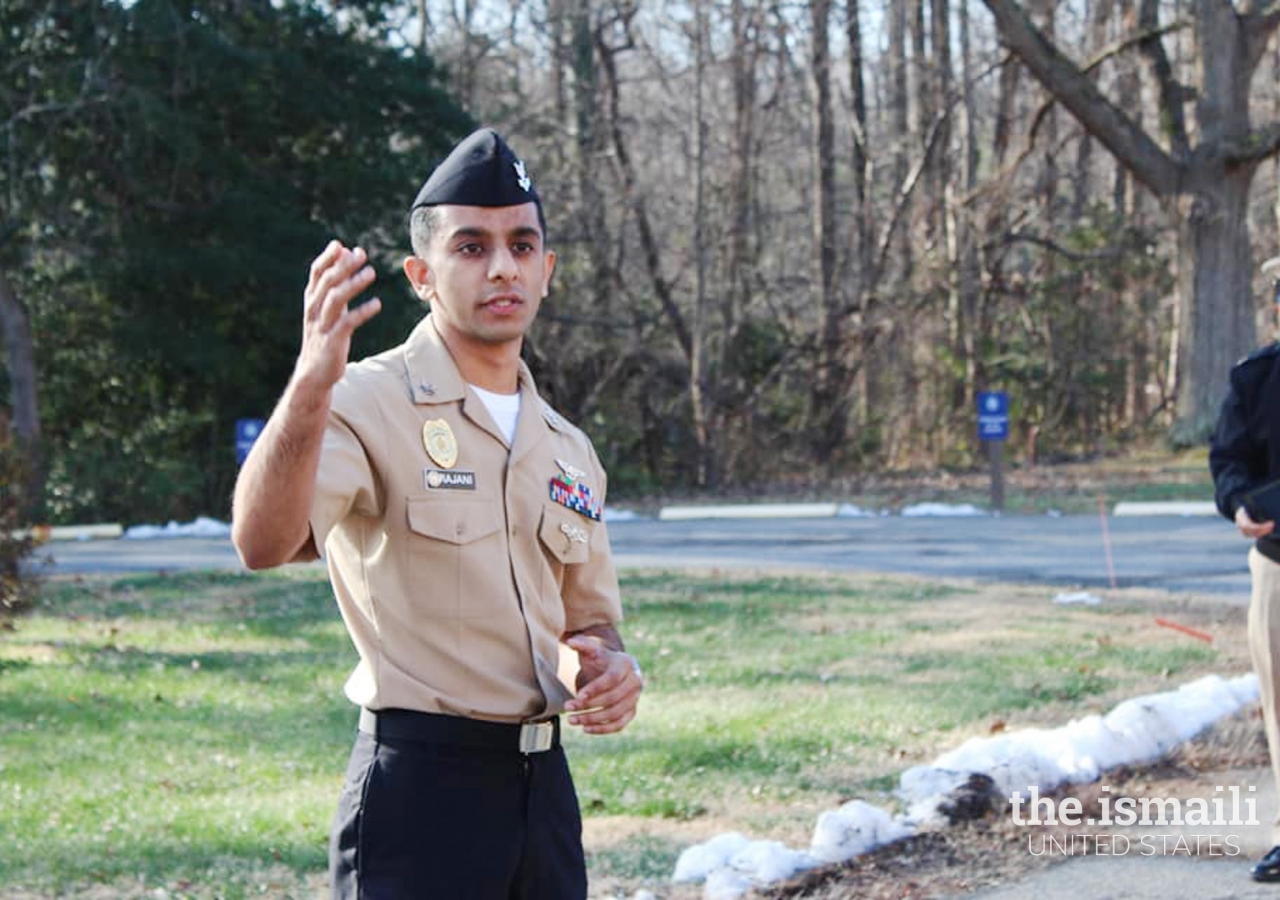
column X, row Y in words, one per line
column 504, row 408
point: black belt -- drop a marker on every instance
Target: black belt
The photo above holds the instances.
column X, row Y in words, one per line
column 435, row 728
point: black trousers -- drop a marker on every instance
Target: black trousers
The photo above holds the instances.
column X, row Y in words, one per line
column 438, row 821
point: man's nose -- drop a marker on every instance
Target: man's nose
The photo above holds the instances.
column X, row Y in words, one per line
column 502, row 266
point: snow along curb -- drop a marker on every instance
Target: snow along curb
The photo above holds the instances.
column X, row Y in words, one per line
column 1138, row 730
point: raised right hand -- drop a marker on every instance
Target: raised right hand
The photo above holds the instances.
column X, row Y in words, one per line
column 338, row 275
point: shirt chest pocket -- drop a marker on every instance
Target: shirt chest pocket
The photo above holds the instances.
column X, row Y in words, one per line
column 455, row 565
column 565, row 536
column 455, row 522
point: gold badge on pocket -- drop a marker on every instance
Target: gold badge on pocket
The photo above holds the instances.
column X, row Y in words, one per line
column 441, row 445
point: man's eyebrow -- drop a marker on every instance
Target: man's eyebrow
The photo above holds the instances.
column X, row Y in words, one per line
column 473, row 231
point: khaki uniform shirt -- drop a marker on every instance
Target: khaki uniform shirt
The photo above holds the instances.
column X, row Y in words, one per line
column 457, row 581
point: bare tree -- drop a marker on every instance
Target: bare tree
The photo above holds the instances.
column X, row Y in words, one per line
column 1206, row 185
column 830, row 394
column 698, row 388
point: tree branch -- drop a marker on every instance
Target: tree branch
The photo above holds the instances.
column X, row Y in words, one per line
column 1023, row 237
column 648, row 240
column 1258, row 27
column 1253, row 147
column 1106, row 53
column 1172, row 116
column 1115, row 48
column 905, row 190
column 1122, row 136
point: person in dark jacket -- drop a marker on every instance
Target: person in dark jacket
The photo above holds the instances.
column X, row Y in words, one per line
column 1244, row 456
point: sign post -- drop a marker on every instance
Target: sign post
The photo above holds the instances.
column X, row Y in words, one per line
column 247, row 431
column 993, row 430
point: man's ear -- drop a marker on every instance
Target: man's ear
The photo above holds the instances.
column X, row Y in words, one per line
column 551, row 270
column 420, row 277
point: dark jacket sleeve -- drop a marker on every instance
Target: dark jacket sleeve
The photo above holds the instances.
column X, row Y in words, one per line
column 1233, row 454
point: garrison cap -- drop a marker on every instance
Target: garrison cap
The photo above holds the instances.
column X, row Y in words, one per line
column 481, row 171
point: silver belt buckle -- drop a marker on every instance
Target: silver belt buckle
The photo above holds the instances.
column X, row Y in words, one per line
column 536, row 737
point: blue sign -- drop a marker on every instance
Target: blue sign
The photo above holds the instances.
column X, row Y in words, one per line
column 247, row 431
column 993, row 415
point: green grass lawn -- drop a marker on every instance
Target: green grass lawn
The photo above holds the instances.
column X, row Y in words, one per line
column 189, row 731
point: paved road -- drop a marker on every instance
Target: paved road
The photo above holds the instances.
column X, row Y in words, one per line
column 1198, row 554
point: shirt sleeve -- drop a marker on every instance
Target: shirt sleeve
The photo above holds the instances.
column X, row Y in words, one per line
column 346, row 483
column 1233, row 453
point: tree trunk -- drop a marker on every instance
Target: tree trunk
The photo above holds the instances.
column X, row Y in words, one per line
column 698, row 357
column 24, row 407
column 1099, row 17
column 968, row 264
column 561, row 60
column 867, row 386
column 900, row 111
column 742, row 182
column 830, row 403
column 941, row 89
column 1215, row 270
column 590, row 208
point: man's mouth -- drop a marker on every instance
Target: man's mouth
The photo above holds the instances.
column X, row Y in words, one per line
column 503, row 302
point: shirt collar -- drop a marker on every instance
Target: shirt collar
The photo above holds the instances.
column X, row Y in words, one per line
column 433, row 375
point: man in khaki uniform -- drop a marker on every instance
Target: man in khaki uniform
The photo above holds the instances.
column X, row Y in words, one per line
column 460, row 518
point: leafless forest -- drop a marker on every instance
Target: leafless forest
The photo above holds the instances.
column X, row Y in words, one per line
column 797, row 238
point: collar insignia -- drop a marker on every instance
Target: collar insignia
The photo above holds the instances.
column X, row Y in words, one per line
column 552, row 417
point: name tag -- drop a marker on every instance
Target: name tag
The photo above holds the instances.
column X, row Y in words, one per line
column 450, row 480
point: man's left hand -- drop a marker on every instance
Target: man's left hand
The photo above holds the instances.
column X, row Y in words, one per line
column 609, row 686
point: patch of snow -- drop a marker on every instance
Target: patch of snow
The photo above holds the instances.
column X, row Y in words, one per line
column 201, row 527
column 700, row 860
column 1084, row 597
column 942, row 509
column 855, row 828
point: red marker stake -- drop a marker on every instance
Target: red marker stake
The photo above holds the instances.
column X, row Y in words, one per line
column 1198, row 635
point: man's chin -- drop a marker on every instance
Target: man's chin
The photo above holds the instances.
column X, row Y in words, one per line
column 504, row 333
